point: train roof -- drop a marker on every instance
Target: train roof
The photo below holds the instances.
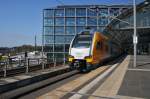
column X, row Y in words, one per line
column 92, row 32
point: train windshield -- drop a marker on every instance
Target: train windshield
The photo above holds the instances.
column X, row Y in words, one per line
column 82, row 41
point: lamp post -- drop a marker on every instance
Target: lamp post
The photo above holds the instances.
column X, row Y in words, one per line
column 134, row 35
column 35, row 46
column 43, row 44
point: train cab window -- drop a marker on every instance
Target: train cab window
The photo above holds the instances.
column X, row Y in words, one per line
column 82, row 40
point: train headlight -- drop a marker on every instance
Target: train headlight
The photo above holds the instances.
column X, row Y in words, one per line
column 71, row 58
column 88, row 58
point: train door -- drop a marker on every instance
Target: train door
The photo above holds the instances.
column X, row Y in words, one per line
column 98, row 50
column 95, row 51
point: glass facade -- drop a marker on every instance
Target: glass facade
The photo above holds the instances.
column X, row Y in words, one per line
column 59, row 39
column 143, row 19
column 70, row 30
column 126, row 30
column 102, row 21
column 81, row 12
column 91, row 12
column 103, row 12
column 49, row 39
column 81, row 21
column 62, row 23
column 114, row 12
column 49, row 22
column 59, row 21
column 92, row 21
column 59, row 30
column 48, row 30
column 48, row 13
column 59, row 12
column 70, row 21
column 70, row 12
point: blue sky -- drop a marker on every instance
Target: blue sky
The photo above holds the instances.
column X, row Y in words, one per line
column 21, row 20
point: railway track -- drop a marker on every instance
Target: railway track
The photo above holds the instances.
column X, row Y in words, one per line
column 19, row 92
column 73, row 82
column 35, row 86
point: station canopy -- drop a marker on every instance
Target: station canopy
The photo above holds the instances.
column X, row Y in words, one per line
column 121, row 30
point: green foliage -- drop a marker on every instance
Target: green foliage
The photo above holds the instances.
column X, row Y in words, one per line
column 3, row 58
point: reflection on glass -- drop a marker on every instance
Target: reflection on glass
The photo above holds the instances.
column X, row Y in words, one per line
column 48, row 30
column 59, row 48
column 69, row 39
column 70, row 30
column 48, row 22
column 59, row 56
column 103, row 12
column 49, row 39
column 59, row 21
column 81, row 21
column 101, row 28
column 70, row 21
column 48, row 13
column 81, row 12
column 59, row 30
column 59, row 12
column 92, row 21
column 59, row 39
column 48, row 48
column 50, row 57
column 70, row 12
column 103, row 21
column 91, row 12
column 79, row 29
column 93, row 27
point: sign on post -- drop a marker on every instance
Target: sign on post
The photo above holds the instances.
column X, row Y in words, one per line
column 135, row 39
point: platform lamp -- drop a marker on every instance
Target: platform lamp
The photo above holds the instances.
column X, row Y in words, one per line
column 135, row 39
column 135, row 34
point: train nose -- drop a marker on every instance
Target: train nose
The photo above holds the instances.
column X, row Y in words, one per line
column 80, row 53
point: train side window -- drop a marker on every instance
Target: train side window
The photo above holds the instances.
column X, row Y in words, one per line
column 99, row 45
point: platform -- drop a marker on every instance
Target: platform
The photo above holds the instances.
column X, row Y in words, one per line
column 136, row 82
column 126, row 81
column 18, row 81
column 119, row 80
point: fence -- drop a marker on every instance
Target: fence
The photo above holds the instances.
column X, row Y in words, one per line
column 29, row 64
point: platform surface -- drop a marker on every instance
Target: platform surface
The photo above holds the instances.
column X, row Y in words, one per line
column 136, row 82
column 127, row 82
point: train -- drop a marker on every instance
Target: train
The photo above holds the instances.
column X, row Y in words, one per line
column 90, row 48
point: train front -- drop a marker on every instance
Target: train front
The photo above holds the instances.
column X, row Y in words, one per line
column 80, row 51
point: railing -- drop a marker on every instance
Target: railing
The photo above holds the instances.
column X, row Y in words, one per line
column 27, row 63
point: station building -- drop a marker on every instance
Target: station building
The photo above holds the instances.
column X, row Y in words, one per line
column 61, row 23
column 122, row 32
